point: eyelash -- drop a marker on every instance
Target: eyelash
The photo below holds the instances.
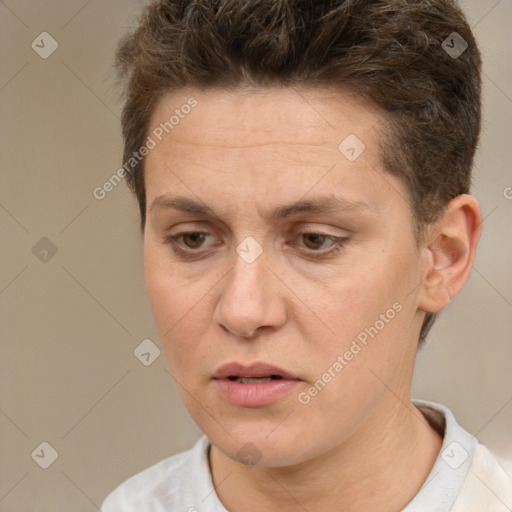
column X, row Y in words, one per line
column 338, row 244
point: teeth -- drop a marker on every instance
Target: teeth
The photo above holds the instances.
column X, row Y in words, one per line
column 253, row 380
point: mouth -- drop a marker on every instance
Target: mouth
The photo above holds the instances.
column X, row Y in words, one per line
column 257, row 372
column 256, row 385
column 254, row 380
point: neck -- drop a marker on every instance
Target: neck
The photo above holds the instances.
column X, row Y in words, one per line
column 375, row 469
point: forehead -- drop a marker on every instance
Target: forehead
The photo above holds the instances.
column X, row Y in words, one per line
column 268, row 148
column 286, row 115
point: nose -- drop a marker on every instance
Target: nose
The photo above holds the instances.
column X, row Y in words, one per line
column 251, row 300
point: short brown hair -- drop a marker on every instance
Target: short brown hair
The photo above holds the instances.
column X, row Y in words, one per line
column 390, row 52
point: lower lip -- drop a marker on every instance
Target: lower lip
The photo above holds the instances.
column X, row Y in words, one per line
column 259, row 394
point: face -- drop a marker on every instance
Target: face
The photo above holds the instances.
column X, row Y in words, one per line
column 272, row 240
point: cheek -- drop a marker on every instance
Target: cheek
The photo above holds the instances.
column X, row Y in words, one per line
column 363, row 348
column 362, row 316
column 169, row 295
column 167, row 298
column 160, row 287
column 345, row 304
column 181, row 308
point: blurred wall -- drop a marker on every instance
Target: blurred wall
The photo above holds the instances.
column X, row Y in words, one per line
column 72, row 301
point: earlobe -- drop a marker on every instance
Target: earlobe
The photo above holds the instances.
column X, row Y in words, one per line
column 452, row 250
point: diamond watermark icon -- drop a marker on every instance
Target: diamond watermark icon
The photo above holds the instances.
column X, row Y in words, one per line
column 147, row 352
column 454, row 455
column 352, row 147
column 454, row 45
column 44, row 45
column 45, row 455
column 44, row 250
column 249, row 249
column 249, row 454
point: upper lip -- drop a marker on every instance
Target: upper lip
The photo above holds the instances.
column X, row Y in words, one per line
column 253, row 370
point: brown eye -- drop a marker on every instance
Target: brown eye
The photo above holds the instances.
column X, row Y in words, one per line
column 193, row 240
column 314, row 240
column 314, row 244
column 189, row 243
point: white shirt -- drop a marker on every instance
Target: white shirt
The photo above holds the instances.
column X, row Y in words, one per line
column 466, row 477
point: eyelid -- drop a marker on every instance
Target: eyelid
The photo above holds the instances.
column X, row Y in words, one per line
column 170, row 239
column 320, row 231
column 337, row 245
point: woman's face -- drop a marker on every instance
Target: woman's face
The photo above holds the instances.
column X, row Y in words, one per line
column 275, row 237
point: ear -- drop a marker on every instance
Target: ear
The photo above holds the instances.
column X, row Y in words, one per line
column 451, row 248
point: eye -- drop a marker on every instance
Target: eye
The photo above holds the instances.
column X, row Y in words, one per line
column 314, row 241
column 191, row 242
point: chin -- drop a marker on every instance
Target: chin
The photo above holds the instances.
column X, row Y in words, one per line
column 251, row 444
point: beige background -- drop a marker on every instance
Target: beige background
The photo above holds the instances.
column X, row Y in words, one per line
column 69, row 326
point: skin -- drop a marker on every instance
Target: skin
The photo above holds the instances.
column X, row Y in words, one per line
column 359, row 444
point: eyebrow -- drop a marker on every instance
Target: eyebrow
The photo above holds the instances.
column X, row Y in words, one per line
column 318, row 205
